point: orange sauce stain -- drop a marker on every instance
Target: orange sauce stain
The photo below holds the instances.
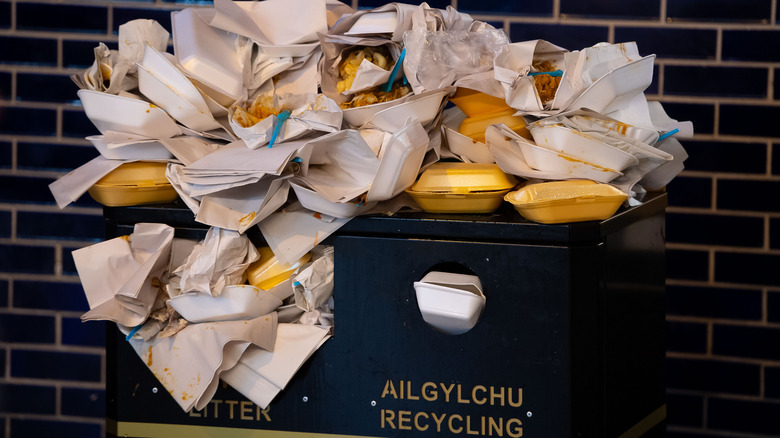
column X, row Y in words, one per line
column 149, row 358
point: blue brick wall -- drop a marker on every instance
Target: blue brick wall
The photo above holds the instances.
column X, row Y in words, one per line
column 717, row 64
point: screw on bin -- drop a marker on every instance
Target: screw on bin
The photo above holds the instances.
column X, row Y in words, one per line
column 529, row 414
column 305, row 399
column 373, row 402
column 154, row 390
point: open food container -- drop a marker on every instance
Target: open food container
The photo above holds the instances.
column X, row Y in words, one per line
column 269, row 271
column 450, row 302
column 134, row 183
column 580, row 145
column 566, row 201
column 461, row 188
column 236, row 302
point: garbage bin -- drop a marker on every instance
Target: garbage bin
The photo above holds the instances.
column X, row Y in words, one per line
column 569, row 343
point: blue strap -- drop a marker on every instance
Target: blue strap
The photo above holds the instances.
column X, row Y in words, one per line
column 280, row 119
column 394, row 73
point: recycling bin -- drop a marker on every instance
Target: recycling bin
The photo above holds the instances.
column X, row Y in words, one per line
column 569, row 343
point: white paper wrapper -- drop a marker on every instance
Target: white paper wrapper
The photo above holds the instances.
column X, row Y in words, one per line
column 219, row 261
column 190, row 363
column 313, row 285
column 122, row 276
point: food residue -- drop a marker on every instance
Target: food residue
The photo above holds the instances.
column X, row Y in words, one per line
column 351, row 60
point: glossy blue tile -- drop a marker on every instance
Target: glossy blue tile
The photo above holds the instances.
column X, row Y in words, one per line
column 754, row 417
column 81, row 54
column 708, row 229
column 80, row 402
column 70, row 366
column 749, row 11
column 25, row 190
column 746, row 341
column 6, row 155
column 641, row 9
column 701, row 115
column 51, row 156
column 571, row 37
column 773, row 307
column 371, row 4
column 741, row 120
column 87, row 334
column 45, row 88
column 27, row 399
column 774, row 233
column 499, row 7
column 687, row 265
column 707, row 375
column 751, row 45
column 717, row 156
column 776, row 87
column 749, row 195
column 32, row 51
column 746, row 268
column 5, row 15
column 716, row 81
column 123, row 15
column 714, row 302
column 28, row 121
column 5, row 224
column 3, row 295
column 38, row 225
column 76, row 124
column 26, row 259
column 772, row 382
column 61, row 18
column 5, row 86
column 690, row 192
column 68, row 265
column 31, row 329
column 686, row 337
column 22, row 428
column 684, row 410
column 46, row 295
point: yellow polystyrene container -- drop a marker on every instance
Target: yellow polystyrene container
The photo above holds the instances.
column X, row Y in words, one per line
column 461, row 188
column 475, row 103
column 558, row 202
column 134, row 183
column 268, row 271
column 475, row 126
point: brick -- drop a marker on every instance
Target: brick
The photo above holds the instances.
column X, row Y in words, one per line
column 643, row 9
column 749, row 195
column 6, row 154
column 750, row 45
column 28, row 121
column 713, row 376
column 89, row 334
column 61, row 18
column 741, row 120
column 5, row 85
column 709, row 81
column 776, row 148
column 27, row 399
column 81, row 402
column 37, row 225
column 2, row 361
column 68, row 265
column 49, row 295
column 27, row 259
column 720, row 156
column 686, row 337
column 746, row 342
column 28, row 51
column 749, row 11
column 70, row 366
column 759, row 269
column 702, row 115
column 757, row 417
column 707, row 229
column 22, row 428
column 45, row 88
column 81, row 54
column 27, row 328
column 671, row 43
column 687, row 265
column 714, row 302
column 123, row 15
column 5, row 15
column 773, row 306
column 684, row 410
column 772, row 382
column 52, row 156
column 76, row 124
column 3, row 293
column 5, row 223
column 774, row 233
column 569, row 37
column 499, row 7
column 25, row 190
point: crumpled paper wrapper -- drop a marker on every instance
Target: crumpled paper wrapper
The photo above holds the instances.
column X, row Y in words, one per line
column 313, row 285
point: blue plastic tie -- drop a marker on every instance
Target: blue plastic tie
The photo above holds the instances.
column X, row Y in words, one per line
column 668, row 134
column 133, row 332
column 394, row 73
column 280, row 119
column 549, row 73
column 297, row 283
